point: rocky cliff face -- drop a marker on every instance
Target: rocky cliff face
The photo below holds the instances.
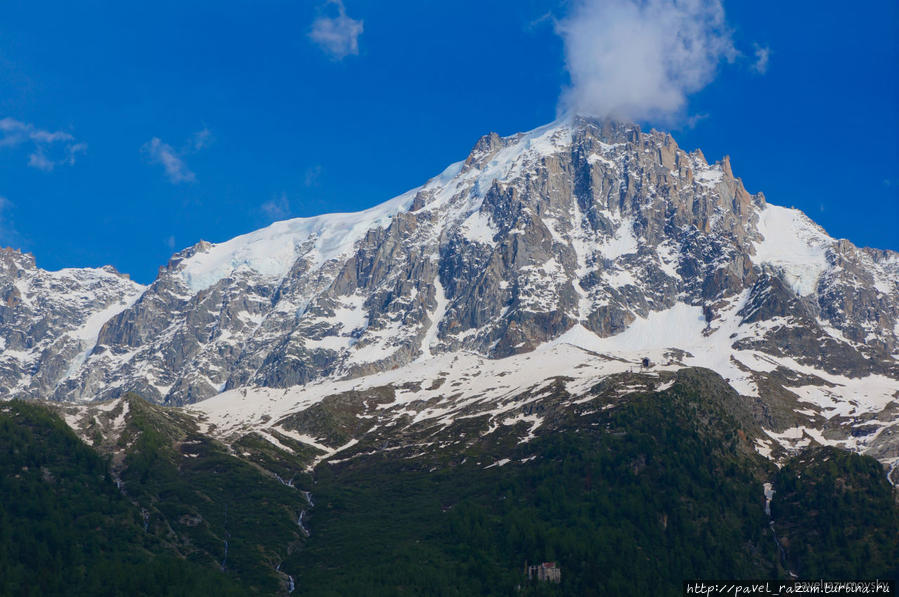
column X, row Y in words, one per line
column 49, row 321
column 592, row 233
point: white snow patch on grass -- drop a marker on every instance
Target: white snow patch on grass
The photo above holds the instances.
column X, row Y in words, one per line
column 501, row 462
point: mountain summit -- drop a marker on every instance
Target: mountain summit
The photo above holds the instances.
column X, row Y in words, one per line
column 583, row 241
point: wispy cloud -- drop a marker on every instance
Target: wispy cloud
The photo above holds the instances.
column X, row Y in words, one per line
column 540, row 21
column 691, row 121
column 8, row 234
column 313, row 174
column 47, row 149
column 159, row 152
column 640, row 59
column 337, row 35
column 277, row 208
column 762, row 55
column 172, row 161
column 200, row 140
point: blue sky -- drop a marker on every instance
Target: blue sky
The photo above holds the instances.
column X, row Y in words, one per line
column 131, row 130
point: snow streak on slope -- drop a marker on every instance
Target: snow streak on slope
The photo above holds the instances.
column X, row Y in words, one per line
column 435, row 318
column 89, row 331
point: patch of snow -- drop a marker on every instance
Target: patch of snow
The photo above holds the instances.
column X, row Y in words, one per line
column 668, row 258
column 680, row 327
column 710, row 176
column 622, row 243
column 763, row 448
column 119, row 422
column 619, row 278
column 478, row 228
column 501, row 462
column 794, row 246
column 351, row 313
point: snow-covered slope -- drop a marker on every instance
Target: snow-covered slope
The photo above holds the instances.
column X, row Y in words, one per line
column 271, row 252
column 794, row 245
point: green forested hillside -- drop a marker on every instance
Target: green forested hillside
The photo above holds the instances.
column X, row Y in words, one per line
column 65, row 529
column 629, row 500
column 837, row 515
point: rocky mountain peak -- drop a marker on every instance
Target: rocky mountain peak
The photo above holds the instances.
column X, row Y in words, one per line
column 13, row 262
column 585, row 232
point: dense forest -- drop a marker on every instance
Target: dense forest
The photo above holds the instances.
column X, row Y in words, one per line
column 628, row 500
column 66, row 529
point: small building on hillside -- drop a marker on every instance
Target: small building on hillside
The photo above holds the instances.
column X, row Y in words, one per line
column 546, row 572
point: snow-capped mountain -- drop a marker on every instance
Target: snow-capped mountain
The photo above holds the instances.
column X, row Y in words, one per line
column 49, row 321
column 570, row 252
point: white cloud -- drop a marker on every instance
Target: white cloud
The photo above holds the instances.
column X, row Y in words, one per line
column 172, row 160
column 162, row 153
column 337, row 35
column 762, row 55
column 640, row 59
column 277, row 208
column 48, row 149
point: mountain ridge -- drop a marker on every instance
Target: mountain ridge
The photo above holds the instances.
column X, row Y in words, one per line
column 585, row 232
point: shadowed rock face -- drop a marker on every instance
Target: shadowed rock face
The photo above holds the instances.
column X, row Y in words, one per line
column 582, row 223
